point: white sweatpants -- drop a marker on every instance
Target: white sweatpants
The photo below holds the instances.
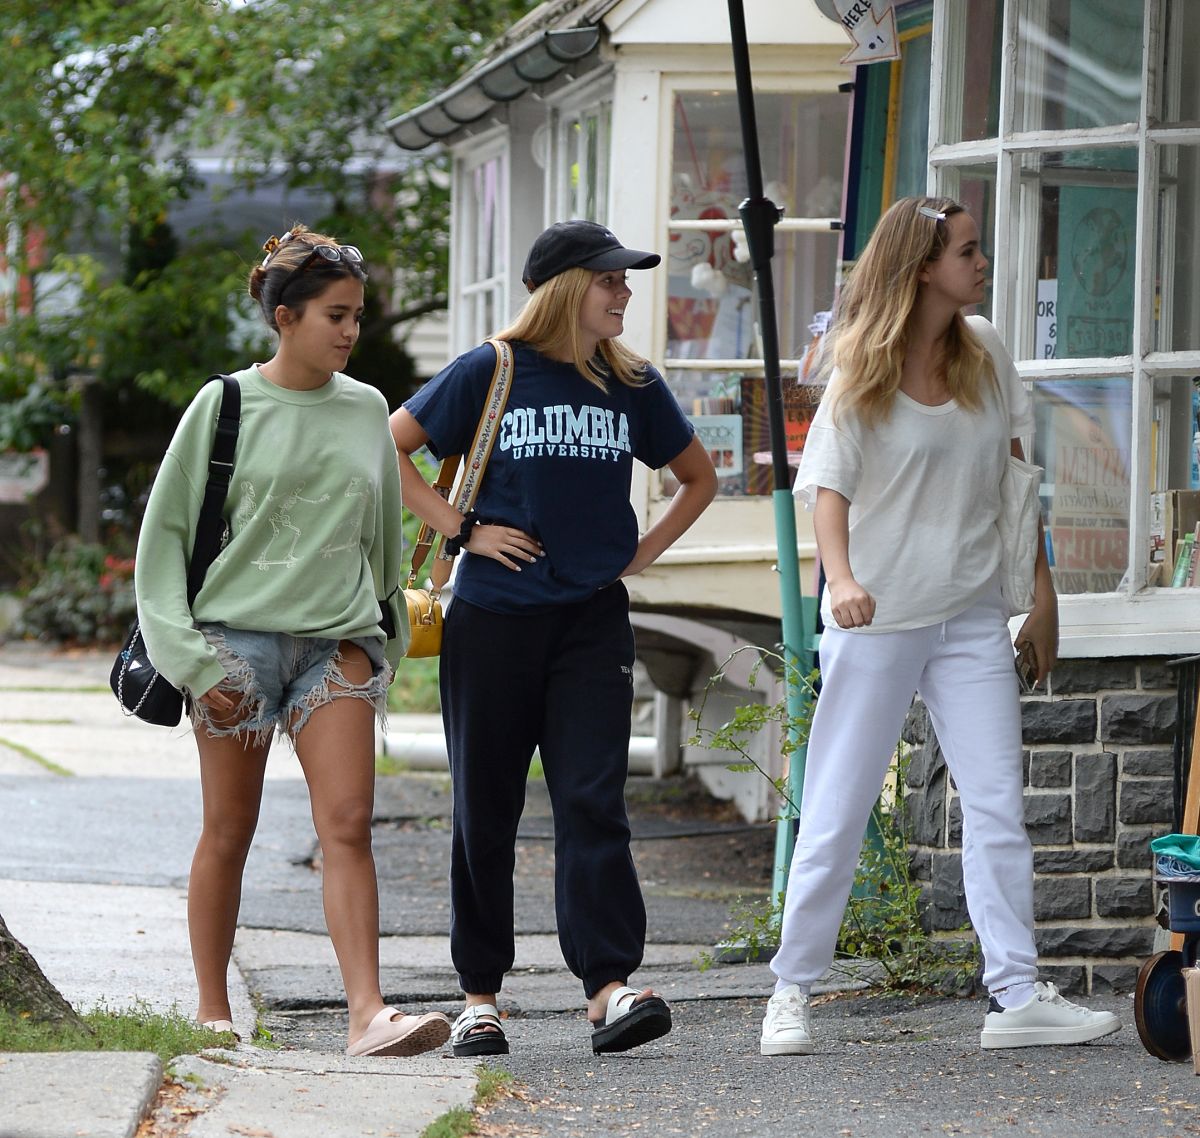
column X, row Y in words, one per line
column 963, row 670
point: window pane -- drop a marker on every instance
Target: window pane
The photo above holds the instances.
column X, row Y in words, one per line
column 1076, row 299
column 975, row 29
column 1180, row 91
column 585, row 155
column 1082, row 440
column 711, row 305
column 1078, row 63
column 484, row 207
column 1174, row 473
column 1178, row 239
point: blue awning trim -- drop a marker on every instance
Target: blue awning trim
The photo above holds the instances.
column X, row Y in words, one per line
column 538, row 59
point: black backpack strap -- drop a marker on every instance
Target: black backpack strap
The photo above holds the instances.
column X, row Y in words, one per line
column 210, row 527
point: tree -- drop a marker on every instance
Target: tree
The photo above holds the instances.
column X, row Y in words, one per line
column 106, row 107
column 24, row 989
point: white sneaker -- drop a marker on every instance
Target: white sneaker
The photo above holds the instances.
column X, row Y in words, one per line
column 785, row 1026
column 1047, row 1019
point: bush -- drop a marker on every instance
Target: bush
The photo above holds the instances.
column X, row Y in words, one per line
column 82, row 594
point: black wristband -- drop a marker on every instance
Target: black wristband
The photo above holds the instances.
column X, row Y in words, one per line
column 454, row 544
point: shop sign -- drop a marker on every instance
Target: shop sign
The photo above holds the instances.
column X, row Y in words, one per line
column 871, row 26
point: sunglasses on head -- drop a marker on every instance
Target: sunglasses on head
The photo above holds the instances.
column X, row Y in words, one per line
column 331, row 253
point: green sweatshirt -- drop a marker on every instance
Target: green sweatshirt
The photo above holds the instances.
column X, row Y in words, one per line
column 314, row 525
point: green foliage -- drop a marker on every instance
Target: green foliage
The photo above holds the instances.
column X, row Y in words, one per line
column 106, row 103
column 81, row 594
column 414, row 691
column 754, row 931
column 28, row 420
column 106, row 107
column 882, row 922
column 137, row 1029
column 736, row 734
column 494, row 1082
column 457, row 1122
column 415, row 688
column 460, row 1122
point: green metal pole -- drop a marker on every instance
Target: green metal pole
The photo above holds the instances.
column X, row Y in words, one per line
column 798, row 657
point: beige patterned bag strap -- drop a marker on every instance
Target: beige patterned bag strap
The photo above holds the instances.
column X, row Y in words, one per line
column 472, row 475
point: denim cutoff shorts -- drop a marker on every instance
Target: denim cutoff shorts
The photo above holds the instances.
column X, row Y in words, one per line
column 279, row 680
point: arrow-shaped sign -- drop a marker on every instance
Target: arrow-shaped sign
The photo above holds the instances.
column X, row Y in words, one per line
column 870, row 24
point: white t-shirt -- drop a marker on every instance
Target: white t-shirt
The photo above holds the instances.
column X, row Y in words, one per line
column 924, row 493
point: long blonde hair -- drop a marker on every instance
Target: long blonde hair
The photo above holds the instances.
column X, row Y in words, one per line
column 870, row 331
column 549, row 323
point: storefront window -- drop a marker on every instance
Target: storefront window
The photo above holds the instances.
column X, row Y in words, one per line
column 1180, row 88
column 1178, row 249
column 1082, row 441
column 711, row 303
column 1174, row 478
column 976, row 27
column 1089, row 145
column 1078, row 63
column 1084, row 206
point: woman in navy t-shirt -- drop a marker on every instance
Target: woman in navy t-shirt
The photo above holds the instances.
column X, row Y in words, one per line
column 537, row 652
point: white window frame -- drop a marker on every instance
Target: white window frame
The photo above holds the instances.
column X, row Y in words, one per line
column 1136, row 619
column 468, row 327
column 764, row 84
column 594, row 97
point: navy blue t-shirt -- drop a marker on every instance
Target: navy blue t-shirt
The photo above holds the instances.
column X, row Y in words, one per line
column 560, row 470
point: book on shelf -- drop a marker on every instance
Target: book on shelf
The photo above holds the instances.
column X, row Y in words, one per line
column 800, row 401
column 1186, row 560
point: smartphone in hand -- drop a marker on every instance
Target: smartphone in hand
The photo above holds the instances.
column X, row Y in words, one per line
column 1026, row 665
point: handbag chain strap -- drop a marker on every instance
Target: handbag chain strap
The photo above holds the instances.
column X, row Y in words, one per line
column 472, row 475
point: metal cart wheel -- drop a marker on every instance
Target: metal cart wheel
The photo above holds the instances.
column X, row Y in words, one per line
column 1160, row 1007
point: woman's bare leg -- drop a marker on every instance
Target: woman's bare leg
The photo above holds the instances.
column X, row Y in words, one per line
column 231, row 781
column 336, row 748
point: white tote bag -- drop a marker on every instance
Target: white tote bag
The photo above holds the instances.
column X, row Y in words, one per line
column 1020, row 510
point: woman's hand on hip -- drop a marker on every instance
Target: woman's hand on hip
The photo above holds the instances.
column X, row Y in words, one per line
column 504, row 544
column 853, row 606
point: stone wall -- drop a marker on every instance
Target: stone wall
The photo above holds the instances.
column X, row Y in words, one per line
column 1099, row 778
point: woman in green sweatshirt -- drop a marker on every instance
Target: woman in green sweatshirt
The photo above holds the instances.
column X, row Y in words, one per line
column 284, row 636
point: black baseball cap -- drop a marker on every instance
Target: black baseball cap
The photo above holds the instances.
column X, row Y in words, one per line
column 580, row 244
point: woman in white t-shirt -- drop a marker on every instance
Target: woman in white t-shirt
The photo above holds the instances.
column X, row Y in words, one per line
column 902, row 469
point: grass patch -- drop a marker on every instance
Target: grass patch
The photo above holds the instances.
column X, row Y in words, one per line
column 139, row 1029
column 415, row 688
column 459, row 1122
column 389, row 764
column 33, row 756
column 493, row 1083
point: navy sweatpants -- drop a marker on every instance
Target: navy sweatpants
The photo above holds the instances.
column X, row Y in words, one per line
column 561, row 682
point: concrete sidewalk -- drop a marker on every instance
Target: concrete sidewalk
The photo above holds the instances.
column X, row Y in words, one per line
column 100, row 903
column 98, row 818
column 101, row 816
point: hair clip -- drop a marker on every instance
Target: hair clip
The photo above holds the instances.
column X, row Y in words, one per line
column 269, row 246
column 930, row 212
